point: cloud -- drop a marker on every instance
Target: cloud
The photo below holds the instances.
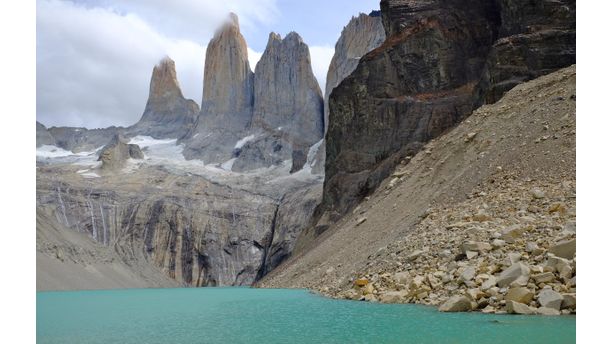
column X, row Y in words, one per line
column 320, row 57
column 94, row 63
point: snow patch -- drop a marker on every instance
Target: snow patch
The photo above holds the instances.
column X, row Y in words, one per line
column 243, row 141
column 50, row 151
column 228, row 164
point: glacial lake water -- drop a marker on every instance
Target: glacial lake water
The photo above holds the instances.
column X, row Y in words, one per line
column 247, row 315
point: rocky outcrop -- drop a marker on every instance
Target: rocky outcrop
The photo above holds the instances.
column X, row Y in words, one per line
column 227, row 100
column 196, row 232
column 43, row 137
column 361, row 35
column 167, row 113
column 117, row 152
column 534, row 38
column 479, row 214
column 82, row 139
column 287, row 104
column 440, row 59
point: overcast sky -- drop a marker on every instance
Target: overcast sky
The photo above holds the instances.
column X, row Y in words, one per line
column 94, row 58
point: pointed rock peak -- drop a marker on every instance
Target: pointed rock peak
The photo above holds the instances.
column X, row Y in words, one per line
column 274, row 37
column 231, row 24
column 233, row 19
column 164, row 83
column 293, row 37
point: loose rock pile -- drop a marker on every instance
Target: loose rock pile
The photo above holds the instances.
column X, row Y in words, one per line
column 509, row 248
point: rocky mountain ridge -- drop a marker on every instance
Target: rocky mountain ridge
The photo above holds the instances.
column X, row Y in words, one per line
column 440, row 60
column 129, row 194
column 483, row 218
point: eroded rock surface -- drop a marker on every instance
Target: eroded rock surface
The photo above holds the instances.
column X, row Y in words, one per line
column 167, row 113
column 227, row 100
column 440, row 59
column 288, row 106
column 361, row 35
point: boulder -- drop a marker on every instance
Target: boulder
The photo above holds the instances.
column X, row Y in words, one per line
column 468, row 274
column 361, row 282
column 475, row 246
column 519, row 294
column 514, row 307
column 569, row 301
column 457, row 303
column 489, row 283
column 511, row 274
column 543, row 277
column 550, row 299
column 560, row 265
column 402, row 278
column 511, row 233
column 564, row 249
column 393, row 296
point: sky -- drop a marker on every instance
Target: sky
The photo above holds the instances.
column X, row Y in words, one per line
column 94, row 58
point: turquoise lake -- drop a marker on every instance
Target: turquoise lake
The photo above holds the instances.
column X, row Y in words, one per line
column 248, row 315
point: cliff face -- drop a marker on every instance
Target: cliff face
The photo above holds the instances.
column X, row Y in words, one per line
column 479, row 214
column 288, row 106
column 167, row 113
column 360, row 36
column 227, row 101
column 440, row 59
column 195, row 231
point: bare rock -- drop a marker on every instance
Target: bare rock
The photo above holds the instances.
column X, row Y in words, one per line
column 519, row 294
column 511, row 274
column 514, row 307
column 564, row 249
column 457, row 303
column 550, row 299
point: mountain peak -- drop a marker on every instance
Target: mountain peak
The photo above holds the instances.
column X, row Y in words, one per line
column 164, row 83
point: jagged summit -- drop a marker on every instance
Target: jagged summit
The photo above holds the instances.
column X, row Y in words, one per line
column 361, row 35
column 164, row 85
column 167, row 113
column 288, row 105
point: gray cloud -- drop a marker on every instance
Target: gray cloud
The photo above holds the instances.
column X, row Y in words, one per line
column 94, row 59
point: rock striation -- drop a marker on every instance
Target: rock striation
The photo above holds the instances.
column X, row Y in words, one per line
column 227, row 100
column 288, row 106
column 361, row 35
column 195, row 231
column 482, row 219
column 117, row 152
column 440, row 60
column 167, row 113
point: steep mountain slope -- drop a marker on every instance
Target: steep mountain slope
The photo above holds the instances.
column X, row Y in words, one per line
column 288, row 107
column 511, row 165
column 167, row 113
column 227, row 100
column 361, row 35
column 440, row 60
column 130, row 193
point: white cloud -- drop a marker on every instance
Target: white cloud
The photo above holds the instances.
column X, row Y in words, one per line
column 94, row 63
column 320, row 57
